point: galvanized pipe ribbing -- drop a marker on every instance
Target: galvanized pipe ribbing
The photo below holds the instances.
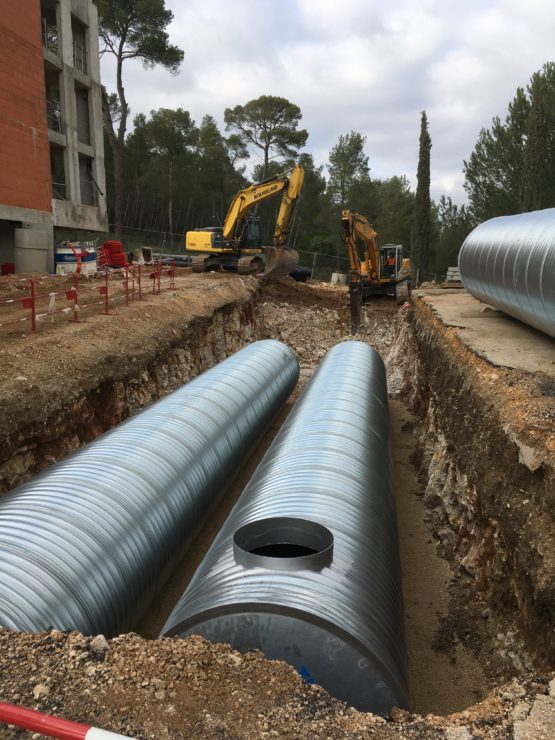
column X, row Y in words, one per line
column 509, row 262
column 85, row 544
column 306, row 567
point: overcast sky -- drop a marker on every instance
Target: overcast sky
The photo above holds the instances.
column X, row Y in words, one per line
column 364, row 65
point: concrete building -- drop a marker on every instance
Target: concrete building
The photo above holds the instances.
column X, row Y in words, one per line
column 51, row 140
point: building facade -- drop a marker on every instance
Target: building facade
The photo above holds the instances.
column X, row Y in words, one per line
column 51, row 139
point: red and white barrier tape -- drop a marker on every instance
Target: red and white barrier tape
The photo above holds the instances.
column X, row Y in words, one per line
column 46, row 724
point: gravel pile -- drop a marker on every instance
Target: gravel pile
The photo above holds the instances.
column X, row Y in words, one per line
column 176, row 688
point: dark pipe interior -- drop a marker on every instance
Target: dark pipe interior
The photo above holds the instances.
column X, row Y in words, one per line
column 283, row 550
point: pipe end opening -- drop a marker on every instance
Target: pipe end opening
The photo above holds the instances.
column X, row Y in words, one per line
column 283, row 543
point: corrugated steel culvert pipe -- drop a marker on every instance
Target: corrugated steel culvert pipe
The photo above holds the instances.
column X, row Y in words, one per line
column 509, row 262
column 306, row 567
column 85, row 544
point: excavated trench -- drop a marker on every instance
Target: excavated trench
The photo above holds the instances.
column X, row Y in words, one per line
column 474, row 521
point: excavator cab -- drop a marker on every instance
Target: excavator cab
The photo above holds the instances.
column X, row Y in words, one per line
column 251, row 238
column 391, row 261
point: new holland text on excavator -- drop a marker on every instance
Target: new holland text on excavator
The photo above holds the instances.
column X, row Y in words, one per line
column 383, row 271
column 238, row 245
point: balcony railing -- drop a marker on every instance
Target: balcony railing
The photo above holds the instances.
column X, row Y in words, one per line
column 54, row 116
column 50, row 37
column 80, row 57
column 89, row 195
column 59, row 190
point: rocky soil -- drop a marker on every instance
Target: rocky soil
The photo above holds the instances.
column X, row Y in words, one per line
column 175, row 688
column 488, row 478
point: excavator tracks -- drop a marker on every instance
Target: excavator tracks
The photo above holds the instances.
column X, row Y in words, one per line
column 249, row 265
column 198, row 263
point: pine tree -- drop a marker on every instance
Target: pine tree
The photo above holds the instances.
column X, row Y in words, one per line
column 270, row 124
column 131, row 29
column 512, row 167
column 348, row 168
column 539, row 152
column 422, row 227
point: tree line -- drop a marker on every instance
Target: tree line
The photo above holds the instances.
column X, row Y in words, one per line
column 171, row 174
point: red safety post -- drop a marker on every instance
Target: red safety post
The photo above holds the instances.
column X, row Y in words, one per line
column 77, row 257
column 72, row 295
column 140, row 291
column 46, row 724
column 30, row 302
column 76, row 293
column 126, row 285
column 33, row 306
column 159, row 274
column 104, row 291
column 172, row 275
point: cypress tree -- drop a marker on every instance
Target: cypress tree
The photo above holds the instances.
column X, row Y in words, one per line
column 422, row 226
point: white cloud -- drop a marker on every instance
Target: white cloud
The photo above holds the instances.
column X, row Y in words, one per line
column 358, row 65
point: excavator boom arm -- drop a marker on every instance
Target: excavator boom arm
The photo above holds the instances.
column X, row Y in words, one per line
column 245, row 199
column 287, row 206
column 357, row 226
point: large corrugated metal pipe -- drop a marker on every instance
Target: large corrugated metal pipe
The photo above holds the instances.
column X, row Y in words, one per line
column 87, row 543
column 509, row 262
column 306, row 567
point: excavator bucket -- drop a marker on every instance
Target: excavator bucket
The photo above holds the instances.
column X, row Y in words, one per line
column 280, row 262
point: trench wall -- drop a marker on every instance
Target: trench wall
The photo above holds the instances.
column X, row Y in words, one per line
column 490, row 508
column 490, row 512
column 38, row 442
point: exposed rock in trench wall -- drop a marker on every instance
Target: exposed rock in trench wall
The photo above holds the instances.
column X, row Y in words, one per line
column 491, row 512
column 123, row 389
column 405, row 374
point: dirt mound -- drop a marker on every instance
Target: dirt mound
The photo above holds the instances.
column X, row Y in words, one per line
column 175, row 688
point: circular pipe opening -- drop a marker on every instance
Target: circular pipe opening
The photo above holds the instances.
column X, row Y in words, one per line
column 283, row 543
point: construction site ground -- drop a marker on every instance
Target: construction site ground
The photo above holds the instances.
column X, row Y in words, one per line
column 492, row 334
column 478, row 666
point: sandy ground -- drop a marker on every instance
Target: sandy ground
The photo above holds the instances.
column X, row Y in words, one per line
column 441, row 681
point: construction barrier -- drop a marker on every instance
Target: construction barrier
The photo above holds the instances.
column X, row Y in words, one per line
column 46, row 724
column 34, row 301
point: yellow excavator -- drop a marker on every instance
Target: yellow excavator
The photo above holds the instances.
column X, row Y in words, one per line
column 237, row 245
column 383, row 271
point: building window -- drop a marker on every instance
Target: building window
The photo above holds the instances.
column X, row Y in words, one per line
column 49, row 26
column 83, row 120
column 58, row 172
column 53, row 106
column 79, row 32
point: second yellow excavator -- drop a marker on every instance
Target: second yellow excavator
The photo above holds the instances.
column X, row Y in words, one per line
column 383, row 271
column 237, row 245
